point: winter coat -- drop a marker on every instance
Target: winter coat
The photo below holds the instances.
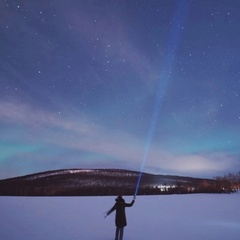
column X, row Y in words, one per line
column 119, row 206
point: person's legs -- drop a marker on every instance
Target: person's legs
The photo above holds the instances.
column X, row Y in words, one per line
column 121, row 233
column 117, row 233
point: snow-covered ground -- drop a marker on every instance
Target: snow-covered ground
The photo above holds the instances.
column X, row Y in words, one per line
column 181, row 217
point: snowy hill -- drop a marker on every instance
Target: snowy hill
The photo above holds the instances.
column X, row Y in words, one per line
column 95, row 182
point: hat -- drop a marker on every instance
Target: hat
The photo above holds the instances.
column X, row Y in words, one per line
column 119, row 198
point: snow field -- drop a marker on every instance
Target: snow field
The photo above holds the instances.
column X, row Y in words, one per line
column 181, row 217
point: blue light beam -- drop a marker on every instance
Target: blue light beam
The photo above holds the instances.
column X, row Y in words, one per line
column 174, row 39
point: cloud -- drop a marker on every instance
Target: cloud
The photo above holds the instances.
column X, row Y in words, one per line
column 111, row 147
column 119, row 47
column 79, row 133
column 200, row 164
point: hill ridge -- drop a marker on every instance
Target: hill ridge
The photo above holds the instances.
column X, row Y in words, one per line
column 85, row 181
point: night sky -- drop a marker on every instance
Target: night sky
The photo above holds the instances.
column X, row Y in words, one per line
column 139, row 85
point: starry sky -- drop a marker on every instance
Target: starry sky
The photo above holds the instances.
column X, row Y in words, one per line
column 141, row 85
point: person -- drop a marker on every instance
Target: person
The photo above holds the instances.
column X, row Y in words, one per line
column 120, row 218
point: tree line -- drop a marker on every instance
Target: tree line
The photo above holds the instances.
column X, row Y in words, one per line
column 229, row 182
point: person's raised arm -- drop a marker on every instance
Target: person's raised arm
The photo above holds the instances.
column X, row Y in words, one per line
column 130, row 204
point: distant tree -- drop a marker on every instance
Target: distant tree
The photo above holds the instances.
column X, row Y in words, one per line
column 204, row 185
column 223, row 184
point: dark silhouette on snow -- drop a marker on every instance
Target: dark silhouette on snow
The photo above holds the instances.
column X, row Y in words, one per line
column 120, row 218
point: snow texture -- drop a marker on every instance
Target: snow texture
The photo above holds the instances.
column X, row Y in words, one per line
column 181, row 217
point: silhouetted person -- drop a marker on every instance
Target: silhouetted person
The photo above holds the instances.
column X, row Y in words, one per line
column 120, row 218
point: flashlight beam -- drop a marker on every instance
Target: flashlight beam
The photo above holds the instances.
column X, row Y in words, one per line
column 174, row 39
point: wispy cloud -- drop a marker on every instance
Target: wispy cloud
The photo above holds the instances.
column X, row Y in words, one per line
column 80, row 134
column 119, row 47
column 51, row 129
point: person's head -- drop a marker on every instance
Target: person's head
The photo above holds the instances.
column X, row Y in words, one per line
column 119, row 198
